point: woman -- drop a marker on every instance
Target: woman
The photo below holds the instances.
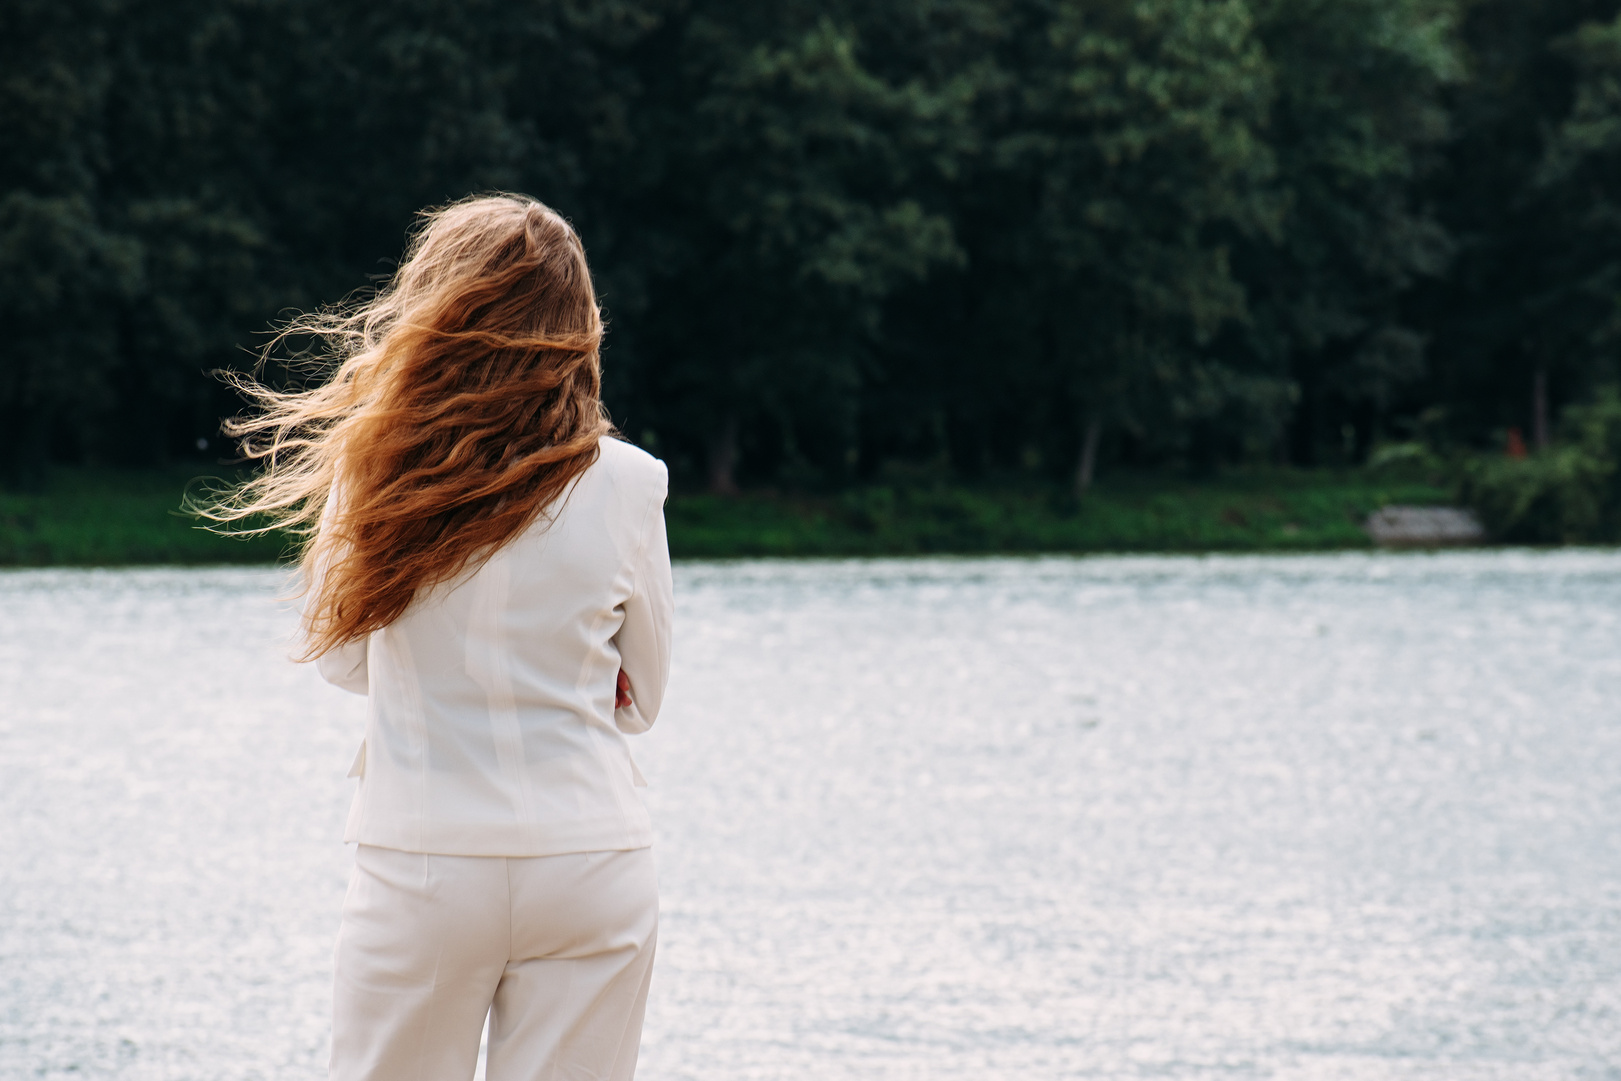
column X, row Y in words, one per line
column 488, row 565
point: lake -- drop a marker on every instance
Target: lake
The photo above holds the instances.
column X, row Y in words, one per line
column 1352, row 816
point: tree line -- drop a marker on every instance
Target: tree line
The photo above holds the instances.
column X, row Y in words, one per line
column 976, row 238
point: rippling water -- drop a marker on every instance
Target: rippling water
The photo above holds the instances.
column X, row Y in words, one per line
column 1333, row 817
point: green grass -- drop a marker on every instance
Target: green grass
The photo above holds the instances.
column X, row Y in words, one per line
column 1274, row 510
column 108, row 517
column 94, row 517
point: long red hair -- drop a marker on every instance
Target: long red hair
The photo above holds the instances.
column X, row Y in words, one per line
column 465, row 399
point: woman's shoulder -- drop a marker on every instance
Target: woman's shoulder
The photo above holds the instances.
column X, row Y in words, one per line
column 629, row 464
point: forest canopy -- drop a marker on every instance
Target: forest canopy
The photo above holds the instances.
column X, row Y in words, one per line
column 973, row 237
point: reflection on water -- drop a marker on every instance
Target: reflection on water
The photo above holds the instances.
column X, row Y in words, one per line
column 1326, row 817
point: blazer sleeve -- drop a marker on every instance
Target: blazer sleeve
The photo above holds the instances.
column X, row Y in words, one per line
column 644, row 637
column 345, row 666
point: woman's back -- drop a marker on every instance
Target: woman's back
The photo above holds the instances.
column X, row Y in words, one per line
column 489, row 567
column 491, row 727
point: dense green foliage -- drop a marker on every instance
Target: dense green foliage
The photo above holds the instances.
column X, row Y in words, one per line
column 983, row 238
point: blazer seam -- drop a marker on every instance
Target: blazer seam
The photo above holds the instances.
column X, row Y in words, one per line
column 641, row 546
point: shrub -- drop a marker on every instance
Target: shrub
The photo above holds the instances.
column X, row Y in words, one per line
column 1567, row 495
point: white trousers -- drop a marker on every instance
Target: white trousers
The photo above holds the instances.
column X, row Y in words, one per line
column 558, row 950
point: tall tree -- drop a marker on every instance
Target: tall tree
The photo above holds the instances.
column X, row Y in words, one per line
column 1357, row 123
column 771, row 205
column 1506, row 342
column 1579, row 182
column 1120, row 152
column 61, row 263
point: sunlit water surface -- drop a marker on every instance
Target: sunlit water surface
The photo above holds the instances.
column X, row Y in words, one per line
column 1352, row 816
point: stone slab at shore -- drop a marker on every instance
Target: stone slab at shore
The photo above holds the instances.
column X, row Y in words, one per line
column 1424, row 527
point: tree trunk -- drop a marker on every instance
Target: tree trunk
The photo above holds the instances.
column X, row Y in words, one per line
column 1539, row 409
column 723, row 458
column 1089, row 453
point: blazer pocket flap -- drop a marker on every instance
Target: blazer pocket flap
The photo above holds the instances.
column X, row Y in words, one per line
column 358, row 767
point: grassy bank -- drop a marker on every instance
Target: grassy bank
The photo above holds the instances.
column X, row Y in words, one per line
column 105, row 517
column 89, row 517
column 1275, row 510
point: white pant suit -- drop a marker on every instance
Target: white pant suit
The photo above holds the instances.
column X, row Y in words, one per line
column 503, row 862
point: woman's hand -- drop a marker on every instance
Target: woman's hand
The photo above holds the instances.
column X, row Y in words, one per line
column 622, row 691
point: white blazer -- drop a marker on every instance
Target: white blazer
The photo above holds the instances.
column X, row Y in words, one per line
column 490, row 726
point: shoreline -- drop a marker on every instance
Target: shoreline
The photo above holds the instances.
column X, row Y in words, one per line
column 89, row 517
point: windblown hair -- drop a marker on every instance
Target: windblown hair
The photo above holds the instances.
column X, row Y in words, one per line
column 465, row 399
